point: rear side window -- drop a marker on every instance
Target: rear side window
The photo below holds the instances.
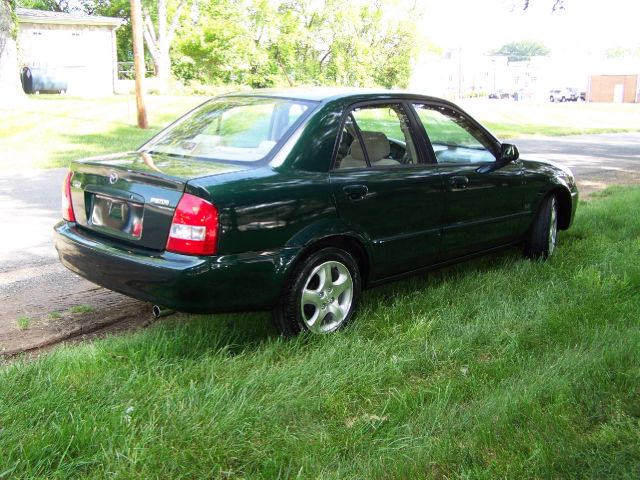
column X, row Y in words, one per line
column 233, row 128
column 376, row 136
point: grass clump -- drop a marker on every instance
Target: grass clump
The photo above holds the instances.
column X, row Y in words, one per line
column 23, row 322
column 496, row 368
column 82, row 309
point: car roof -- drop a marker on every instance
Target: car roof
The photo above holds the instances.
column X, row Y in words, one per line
column 324, row 94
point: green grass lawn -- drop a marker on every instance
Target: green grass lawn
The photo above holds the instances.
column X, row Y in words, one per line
column 52, row 130
column 508, row 119
column 496, row 368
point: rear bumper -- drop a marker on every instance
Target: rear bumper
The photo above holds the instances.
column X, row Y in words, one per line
column 249, row 281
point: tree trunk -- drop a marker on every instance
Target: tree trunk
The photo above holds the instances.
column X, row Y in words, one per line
column 163, row 65
column 138, row 57
column 159, row 40
column 10, row 75
column 10, row 87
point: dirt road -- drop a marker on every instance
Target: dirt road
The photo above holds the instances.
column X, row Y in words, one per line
column 43, row 303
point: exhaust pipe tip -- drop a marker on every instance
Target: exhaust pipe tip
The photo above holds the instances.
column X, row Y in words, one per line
column 159, row 311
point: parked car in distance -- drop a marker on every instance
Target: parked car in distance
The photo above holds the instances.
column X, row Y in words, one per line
column 579, row 95
column 569, row 94
column 500, row 95
column 294, row 201
column 559, row 95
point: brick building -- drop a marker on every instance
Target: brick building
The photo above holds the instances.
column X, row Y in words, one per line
column 614, row 88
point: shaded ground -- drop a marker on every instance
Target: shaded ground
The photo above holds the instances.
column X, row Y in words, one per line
column 43, row 303
column 596, row 160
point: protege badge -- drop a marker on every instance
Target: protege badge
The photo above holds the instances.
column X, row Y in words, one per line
column 159, row 201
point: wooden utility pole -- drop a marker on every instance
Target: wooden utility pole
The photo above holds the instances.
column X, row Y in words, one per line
column 138, row 61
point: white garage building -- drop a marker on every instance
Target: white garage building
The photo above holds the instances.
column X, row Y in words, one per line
column 80, row 48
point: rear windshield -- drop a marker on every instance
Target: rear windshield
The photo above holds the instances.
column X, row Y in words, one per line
column 242, row 129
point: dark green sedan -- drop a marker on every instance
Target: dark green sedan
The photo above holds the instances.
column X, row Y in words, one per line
column 294, row 201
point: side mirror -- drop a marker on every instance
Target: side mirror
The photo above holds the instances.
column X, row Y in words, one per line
column 508, row 153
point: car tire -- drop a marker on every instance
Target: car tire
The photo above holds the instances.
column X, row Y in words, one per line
column 321, row 295
column 543, row 234
column 552, row 99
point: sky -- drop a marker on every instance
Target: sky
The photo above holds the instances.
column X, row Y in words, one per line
column 584, row 26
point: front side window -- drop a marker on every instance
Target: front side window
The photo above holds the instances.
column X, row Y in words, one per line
column 242, row 129
column 376, row 136
column 453, row 137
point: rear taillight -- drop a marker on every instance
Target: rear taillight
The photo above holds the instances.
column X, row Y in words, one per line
column 194, row 229
column 67, row 205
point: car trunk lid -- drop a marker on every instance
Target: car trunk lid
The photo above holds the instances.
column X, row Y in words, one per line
column 132, row 197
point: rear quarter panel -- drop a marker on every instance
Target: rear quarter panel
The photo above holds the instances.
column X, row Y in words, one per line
column 263, row 209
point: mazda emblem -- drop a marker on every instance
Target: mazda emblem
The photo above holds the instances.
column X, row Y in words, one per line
column 113, row 178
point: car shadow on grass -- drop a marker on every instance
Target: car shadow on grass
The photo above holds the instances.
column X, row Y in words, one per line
column 497, row 261
column 192, row 336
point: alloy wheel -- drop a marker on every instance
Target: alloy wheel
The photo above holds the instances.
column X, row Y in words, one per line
column 553, row 227
column 327, row 297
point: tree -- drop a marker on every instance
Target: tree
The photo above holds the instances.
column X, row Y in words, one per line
column 227, row 43
column 9, row 73
column 160, row 38
column 299, row 42
column 522, row 50
column 48, row 5
column 89, row 7
column 623, row 52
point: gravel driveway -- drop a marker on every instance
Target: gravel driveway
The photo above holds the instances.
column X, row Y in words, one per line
column 55, row 304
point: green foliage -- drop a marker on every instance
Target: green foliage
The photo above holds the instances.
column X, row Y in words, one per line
column 49, row 5
column 623, row 52
column 89, row 7
column 522, row 50
column 297, row 42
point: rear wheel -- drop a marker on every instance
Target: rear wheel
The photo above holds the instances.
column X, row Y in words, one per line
column 321, row 295
column 543, row 234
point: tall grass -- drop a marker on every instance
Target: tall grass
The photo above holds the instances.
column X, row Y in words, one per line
column 496, row 368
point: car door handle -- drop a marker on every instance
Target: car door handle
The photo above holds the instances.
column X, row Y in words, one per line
column 356, row 192
column 459, row 181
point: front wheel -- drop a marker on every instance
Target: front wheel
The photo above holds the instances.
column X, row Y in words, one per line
column 321, row 295
column 543, row 234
